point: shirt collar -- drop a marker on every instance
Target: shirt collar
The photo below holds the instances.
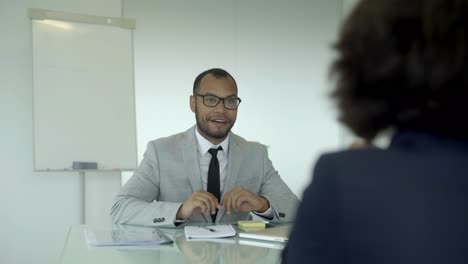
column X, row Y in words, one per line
column 204, row 145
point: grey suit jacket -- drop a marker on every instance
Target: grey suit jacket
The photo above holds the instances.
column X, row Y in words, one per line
column 170, row 172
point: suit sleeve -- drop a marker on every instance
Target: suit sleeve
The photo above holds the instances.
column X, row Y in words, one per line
column 282, row 200
column 136, row 203
column 315, row 235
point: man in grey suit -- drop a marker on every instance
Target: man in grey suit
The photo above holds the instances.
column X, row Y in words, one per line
column 207, row 173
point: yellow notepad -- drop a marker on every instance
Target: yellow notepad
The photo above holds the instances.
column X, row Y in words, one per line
column 251, row 225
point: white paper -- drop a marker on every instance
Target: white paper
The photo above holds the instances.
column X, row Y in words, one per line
column 204, row 232
column 128, row 236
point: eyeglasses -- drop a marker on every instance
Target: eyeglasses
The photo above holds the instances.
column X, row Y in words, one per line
column 230, row 103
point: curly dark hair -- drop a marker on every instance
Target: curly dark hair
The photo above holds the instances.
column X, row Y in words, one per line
column 403, row 64
column 216, row 72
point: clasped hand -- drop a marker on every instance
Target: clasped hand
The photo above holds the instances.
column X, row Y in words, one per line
column 238, row 199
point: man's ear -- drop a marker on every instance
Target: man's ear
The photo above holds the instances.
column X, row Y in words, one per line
column 192, row 103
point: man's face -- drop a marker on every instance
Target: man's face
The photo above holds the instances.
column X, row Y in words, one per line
column 214, row 123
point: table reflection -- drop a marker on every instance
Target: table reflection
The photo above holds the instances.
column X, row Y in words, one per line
column 225, row 250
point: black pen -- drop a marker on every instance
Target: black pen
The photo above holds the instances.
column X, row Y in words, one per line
column 210, row 229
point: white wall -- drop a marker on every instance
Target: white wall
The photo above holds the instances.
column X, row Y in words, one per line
column 348, row 6
column 279, row 53
column 36, row 208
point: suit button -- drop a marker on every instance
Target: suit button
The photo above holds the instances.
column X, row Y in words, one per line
column 155, row 220
column 282, row 214
column 163, row 219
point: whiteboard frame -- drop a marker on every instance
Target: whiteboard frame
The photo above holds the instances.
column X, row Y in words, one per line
column 124, row 23
column 43, row 14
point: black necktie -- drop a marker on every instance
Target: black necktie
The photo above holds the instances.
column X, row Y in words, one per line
column 213, row 177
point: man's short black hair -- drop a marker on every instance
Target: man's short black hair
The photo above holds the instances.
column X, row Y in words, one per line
column 404, row 64
column 216, row 72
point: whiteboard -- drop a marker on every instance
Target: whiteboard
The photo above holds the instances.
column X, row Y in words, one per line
column 83, row 95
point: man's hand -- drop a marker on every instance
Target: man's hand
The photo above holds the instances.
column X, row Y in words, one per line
column 240, row 199
column 199, row 202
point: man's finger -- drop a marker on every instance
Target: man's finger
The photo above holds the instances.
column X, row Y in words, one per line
column 213, row 203
column 233, row 200
column 240, row 200
column 226, row 202
column 197, row 203
column 209, row 198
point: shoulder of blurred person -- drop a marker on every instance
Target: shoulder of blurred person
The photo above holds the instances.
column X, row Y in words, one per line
column 401, row 65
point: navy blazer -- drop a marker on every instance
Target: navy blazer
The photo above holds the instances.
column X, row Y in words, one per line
column 404, row 204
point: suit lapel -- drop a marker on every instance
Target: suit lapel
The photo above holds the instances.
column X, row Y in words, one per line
column 191, row 162
column 234, row 162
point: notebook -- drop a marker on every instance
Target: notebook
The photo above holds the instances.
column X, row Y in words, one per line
column 277, row 234
column 207, row 232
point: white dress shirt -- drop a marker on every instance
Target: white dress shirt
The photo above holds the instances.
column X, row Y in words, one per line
column 205, row 158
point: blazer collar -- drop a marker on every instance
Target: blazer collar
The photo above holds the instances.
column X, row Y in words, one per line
column 191, row 162
column 190, row 159
column 234, row 163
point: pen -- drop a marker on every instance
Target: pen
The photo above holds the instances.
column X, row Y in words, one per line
column 209, row 229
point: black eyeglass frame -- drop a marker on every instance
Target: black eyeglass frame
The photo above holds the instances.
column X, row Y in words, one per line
column 219, row 100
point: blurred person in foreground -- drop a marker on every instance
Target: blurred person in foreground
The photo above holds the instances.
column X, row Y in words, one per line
column 401, row 65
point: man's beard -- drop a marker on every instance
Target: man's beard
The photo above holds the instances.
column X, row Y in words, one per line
column 205, row 130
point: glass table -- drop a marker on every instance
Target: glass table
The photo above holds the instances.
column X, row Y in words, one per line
column 228, row 250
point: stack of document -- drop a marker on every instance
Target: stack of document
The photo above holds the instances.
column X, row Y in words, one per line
column 263, row 244
column 275, row 234
column 126, row 236
column 204, row 232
